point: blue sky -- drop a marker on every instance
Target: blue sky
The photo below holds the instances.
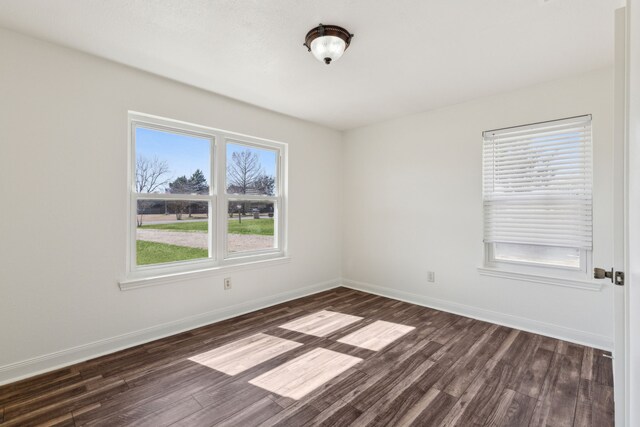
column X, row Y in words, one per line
column 184, row 154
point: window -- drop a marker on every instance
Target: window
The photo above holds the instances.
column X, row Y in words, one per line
column 201, row 197
column 537, row 196
column 252, row 191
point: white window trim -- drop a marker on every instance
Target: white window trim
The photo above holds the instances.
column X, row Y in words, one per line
column 541, row 273
column 523, row 267
column 170, row 278
column 541, row 278
column 548, row 274
column 277, row 200
column 220, row 261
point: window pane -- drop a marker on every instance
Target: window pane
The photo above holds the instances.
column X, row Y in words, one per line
column 171, row 162
column 250, row 226
column 545, row 255
column 251, row 170
column 171, row 230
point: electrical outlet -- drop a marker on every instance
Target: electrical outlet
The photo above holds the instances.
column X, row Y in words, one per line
column 227, row 283
column 431, row 276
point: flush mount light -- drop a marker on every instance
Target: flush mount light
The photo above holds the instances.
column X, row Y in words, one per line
column 327, row 42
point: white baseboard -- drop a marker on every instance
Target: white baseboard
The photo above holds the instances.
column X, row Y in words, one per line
column 60, row 359
column 517, row 322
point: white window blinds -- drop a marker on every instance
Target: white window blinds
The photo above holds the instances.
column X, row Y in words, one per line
column 537, row 184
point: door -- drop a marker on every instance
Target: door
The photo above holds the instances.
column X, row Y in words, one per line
column 619, row 228
column 632, row 293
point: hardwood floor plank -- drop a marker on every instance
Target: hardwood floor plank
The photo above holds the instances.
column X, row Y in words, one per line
column 486, row 398
column 61, row 409
column 584, row 416
column 384, row 400
column 168, row 374
column 565, row 393
column 595, row 406
column 519, row 412
column 454, row 381
column 500, row 411
column 345, row 416
column 84, row 409
column 393, row 382
column 574, row 351
column 152, row 396
column 521, row 352
column 543, row 406
column 318, row 400
column 300, row 376
column 252, row 415
column 232, row 399
column 536, row 372
column 461, row 406
column 474, row 365
column 548, row 343
column 411, row 404
column 168, row 415
column 343, row 390
column 298, row 418
column 48, row 398
column 406, row 407
column 557, row 400
column 449, row 370
column 321, row 323
column 398, row 353
column 139, row 411
column 338, row 404
column 377, row 335
column 602, row 405
column 210, row 395
column 455, row 328
column 435, row 412
column 65, row 420
column 23, row 394
column 238, row 356
column 358, row 352
column 603, row 369
column 586, row 371
column 46, row 380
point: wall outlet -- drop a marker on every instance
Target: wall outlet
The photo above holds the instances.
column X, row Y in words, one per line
column 227, row 283
column 431, row 276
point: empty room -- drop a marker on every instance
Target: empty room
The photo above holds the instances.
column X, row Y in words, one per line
column 329, row 213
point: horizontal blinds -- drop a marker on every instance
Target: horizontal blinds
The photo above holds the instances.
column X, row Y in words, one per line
column 537, row 184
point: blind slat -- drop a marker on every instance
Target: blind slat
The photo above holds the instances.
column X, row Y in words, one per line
column 526, row 145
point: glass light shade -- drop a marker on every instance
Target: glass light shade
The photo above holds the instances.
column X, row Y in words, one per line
column 328, row 48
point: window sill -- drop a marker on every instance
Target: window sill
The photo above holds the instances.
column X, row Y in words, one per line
column 163, row 279
column 547, row 280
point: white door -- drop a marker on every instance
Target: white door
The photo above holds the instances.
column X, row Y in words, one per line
column 632, row 287
column 619, row 309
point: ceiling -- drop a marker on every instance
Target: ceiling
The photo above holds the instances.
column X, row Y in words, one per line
column 407, row 56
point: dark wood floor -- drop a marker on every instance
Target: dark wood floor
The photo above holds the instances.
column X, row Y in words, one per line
column 450, row 370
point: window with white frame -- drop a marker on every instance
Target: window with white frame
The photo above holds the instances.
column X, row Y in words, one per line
column 537, row 197
column 202, row 197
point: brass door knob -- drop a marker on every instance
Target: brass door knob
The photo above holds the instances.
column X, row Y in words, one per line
column 601, row 273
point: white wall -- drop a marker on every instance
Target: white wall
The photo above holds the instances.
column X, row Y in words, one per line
column 412, row 203
column 63, row 169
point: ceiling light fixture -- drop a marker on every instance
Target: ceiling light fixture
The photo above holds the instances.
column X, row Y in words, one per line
column 327, row 42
